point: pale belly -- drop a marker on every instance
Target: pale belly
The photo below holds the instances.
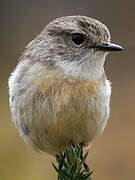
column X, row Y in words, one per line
column 79, row 124
column 49, row 122
column 51, row 115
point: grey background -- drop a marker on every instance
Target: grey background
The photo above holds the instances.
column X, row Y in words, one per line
column 112, row 155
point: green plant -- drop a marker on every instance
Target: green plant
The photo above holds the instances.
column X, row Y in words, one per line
column 72, row 165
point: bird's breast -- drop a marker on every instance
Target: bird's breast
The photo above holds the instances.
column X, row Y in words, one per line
column 56, row 108
column 75, row 109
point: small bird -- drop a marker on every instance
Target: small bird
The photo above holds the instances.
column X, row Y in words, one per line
column 59, row 91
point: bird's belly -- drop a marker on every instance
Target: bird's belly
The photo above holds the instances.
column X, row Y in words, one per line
column 84, row 122
column 79, row 121
column 50, row 111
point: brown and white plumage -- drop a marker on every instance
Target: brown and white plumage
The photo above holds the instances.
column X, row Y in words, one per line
column 59, row 91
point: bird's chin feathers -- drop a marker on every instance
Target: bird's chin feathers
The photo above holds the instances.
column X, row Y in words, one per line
column 90, row 67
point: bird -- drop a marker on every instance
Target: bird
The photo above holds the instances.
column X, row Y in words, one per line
column 59, row 91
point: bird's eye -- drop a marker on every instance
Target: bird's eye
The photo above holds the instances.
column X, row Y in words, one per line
column 78, row 39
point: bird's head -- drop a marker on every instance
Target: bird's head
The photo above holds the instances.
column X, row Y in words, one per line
column 77, row 45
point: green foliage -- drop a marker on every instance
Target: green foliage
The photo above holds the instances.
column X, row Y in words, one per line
column 72, row 168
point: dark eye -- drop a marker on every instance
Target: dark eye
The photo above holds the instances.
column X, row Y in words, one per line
column 78, row 39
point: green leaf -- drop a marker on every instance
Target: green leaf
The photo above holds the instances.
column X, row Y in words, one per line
column 59, row 172
column 73, row 168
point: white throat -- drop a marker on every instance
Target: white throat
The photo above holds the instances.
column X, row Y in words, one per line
column 92, row 67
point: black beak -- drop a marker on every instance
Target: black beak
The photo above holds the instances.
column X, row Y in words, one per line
column 108, row 47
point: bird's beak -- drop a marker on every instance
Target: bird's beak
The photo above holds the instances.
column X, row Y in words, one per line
column 108, row 47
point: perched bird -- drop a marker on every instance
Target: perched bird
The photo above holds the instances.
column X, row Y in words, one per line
column 59, row 91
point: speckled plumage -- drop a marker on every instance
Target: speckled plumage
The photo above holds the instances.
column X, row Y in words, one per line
column 59, row 91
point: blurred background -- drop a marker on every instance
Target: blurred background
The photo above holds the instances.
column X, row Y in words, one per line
column 112, row 155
